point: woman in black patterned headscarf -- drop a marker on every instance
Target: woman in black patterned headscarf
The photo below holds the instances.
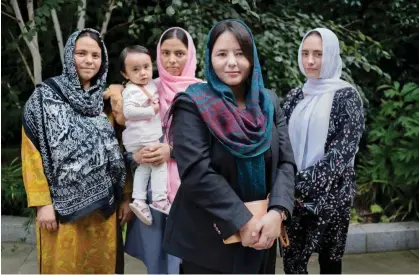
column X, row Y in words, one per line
column 73, row 169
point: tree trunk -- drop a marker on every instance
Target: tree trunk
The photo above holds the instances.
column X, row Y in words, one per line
column 31, row 15
column 25, row 63
column 58, row 34
column 82, row 13
column 32, row 45
column 107, row 18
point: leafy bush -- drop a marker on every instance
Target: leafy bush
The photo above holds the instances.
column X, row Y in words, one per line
column 11, row 110
column 388, row 174
column 278, row 31
column 384, row 174
column 13, row 195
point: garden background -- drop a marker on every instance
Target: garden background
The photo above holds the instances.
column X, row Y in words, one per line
column 380, row 51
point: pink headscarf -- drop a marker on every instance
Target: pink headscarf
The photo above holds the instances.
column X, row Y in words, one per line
column 168, row 86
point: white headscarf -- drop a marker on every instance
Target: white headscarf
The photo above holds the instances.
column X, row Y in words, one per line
column 309, row 122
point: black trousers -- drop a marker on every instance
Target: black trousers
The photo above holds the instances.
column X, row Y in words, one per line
column 190, row 268
column 329, row 267
column 267, row 266
column 307, row 235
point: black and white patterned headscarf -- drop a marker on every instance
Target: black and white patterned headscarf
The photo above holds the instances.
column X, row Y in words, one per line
column 90, row 101
column 80, row 154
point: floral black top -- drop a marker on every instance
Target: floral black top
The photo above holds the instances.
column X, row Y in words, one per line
column 330, row 182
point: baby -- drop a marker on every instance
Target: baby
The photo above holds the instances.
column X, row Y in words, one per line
column 143, row 128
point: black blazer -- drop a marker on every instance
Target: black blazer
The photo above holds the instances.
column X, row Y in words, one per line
column 206, row 209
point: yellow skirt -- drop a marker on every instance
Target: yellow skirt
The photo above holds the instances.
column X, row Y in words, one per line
column 86, row 246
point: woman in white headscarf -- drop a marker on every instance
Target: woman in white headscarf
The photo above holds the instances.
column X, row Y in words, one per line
column 326, row 122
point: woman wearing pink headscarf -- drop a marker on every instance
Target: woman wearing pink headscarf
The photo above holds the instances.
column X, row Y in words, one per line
column 176, row 63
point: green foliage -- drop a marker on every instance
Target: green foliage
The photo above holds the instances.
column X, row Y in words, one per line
column 281, row 36
column 354, row 216
column 378, row 41
column 389, row 174
column 278, row 32
column 376, row 214
column 376, row 209
column 12, row 106
column 13, row 195
column 394, row 24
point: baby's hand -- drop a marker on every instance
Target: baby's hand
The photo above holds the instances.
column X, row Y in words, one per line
column 156, row 107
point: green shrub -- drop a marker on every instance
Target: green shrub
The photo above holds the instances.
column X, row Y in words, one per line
column 278, row 30
column 388, row 174
column 13, row 195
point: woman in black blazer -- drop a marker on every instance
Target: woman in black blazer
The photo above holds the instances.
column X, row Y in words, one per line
column 231, row 145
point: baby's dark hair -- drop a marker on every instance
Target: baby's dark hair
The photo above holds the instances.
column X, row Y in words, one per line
column 131, row 49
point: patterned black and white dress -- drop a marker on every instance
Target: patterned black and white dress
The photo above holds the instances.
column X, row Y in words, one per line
column 325, row 190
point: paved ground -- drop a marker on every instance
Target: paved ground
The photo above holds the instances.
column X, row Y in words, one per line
column 20, row 258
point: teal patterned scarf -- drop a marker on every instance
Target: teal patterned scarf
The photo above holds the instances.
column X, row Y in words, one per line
column 245, row 133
